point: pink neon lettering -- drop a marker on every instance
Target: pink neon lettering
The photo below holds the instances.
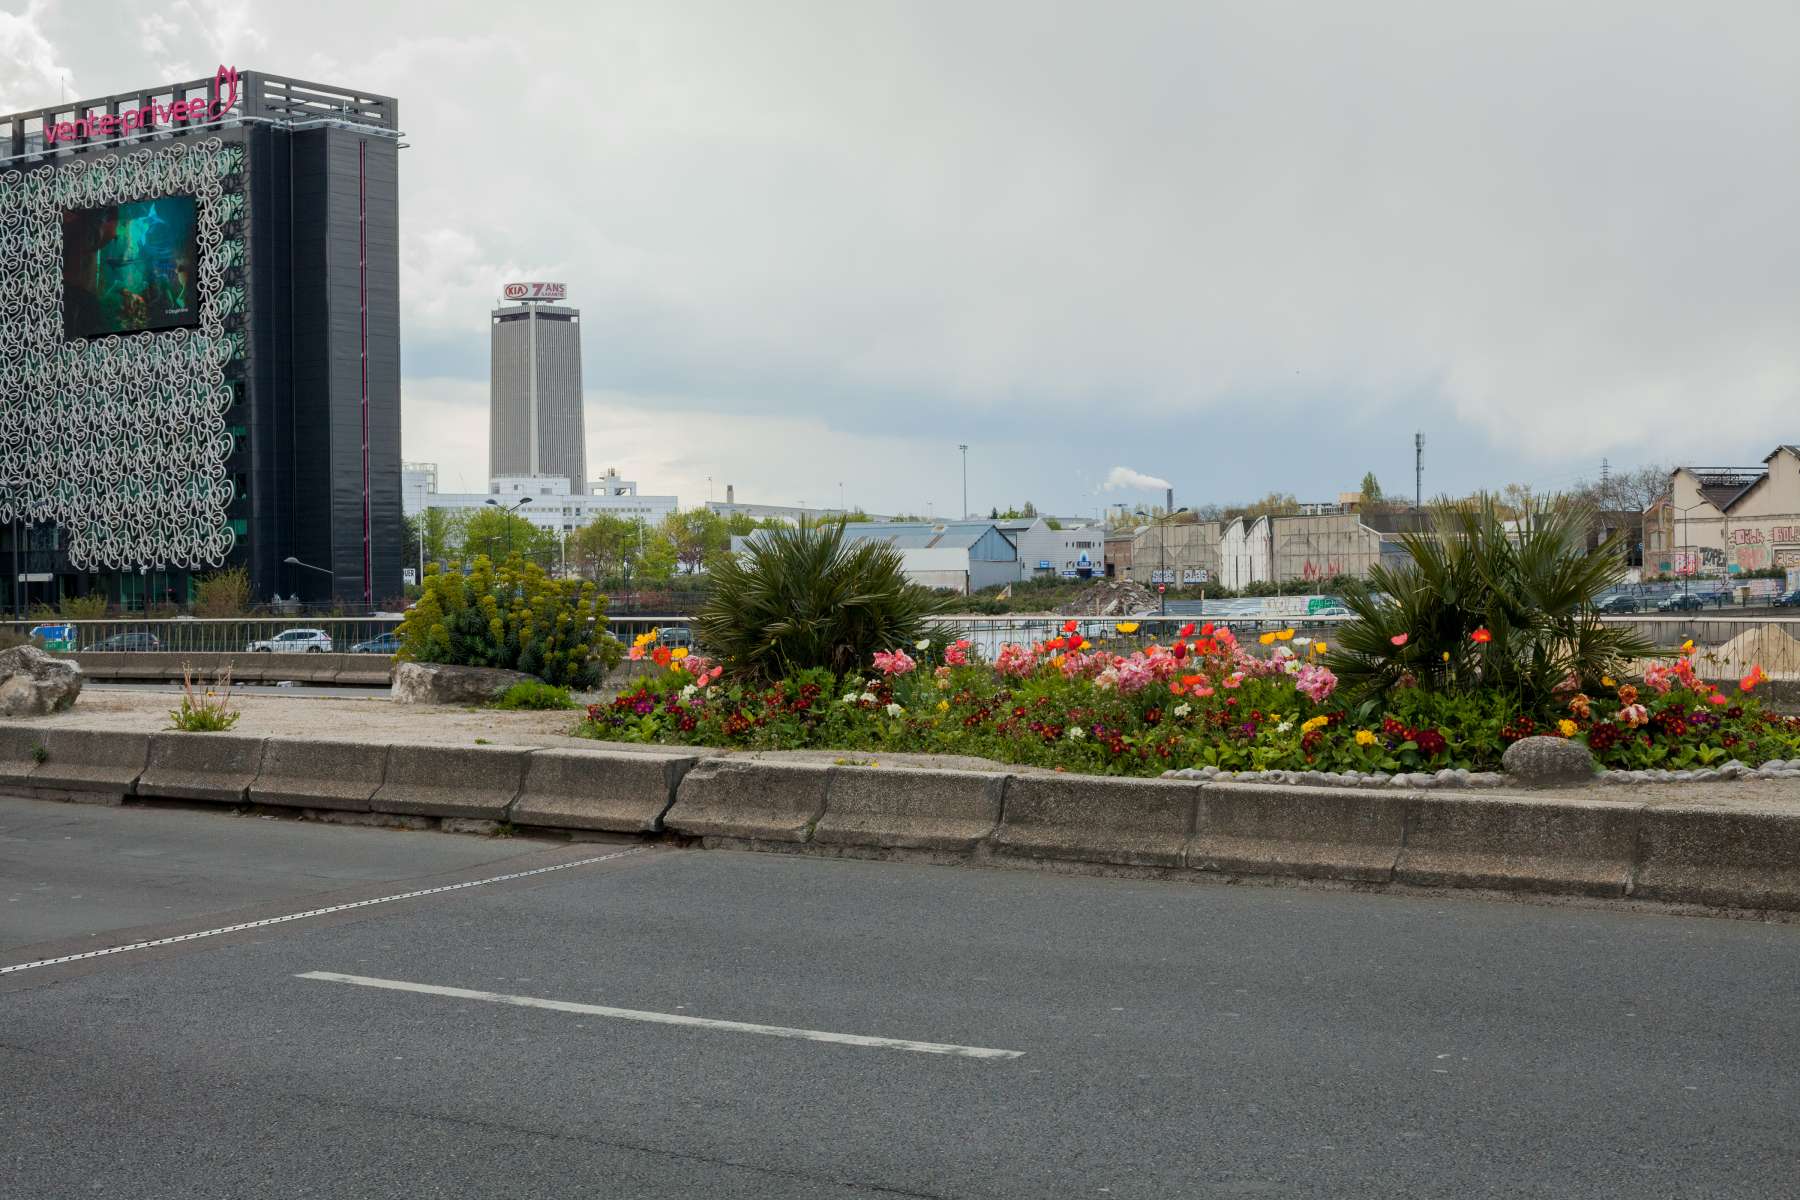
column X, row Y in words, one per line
column 225, row 85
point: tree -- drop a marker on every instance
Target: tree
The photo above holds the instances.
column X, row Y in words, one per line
column 1275, row 504
column 223, row 594
column 1370, row 501
column 441, row 530
column 697, row 535
column 600, row 549
column 497, row 533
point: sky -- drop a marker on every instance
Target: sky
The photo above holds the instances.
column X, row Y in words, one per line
column 1237, row 247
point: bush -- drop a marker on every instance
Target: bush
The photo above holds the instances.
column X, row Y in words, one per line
column 91, row 607
column 207, row 710
column 1482, row 607
column 803, row 599
column 535, row 696
column 512, row 616
column 223, row 594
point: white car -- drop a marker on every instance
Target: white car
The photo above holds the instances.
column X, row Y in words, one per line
column 294, row 641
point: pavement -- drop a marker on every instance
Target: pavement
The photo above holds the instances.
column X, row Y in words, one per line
column 612, row 1019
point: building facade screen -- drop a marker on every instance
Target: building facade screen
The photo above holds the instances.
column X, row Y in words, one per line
column 130, row 267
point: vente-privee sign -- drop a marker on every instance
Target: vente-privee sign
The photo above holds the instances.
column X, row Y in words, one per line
column 150, row 116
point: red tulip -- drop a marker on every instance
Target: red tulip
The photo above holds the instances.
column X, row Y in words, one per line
column 1481, row 636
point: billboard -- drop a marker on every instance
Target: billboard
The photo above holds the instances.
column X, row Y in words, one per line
column 129, row 267
column 536, row 291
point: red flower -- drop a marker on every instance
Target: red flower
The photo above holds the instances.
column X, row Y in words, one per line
column 1399, row 639
column 1187, row 631
column 1481, row 636
column 1070, row 626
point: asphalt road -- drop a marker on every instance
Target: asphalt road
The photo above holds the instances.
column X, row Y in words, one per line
column 540, row 1035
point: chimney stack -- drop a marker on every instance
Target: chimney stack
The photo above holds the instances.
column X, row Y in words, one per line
column 730, row 494
column 1169, row 502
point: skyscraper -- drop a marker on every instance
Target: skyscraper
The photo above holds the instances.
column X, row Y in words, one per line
column 535, row 419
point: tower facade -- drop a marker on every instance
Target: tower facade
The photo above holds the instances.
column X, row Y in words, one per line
column 536, row 424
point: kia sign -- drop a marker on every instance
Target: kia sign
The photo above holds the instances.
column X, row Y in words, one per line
column 536, row 291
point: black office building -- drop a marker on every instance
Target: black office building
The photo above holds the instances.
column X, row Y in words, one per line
column 200, row 343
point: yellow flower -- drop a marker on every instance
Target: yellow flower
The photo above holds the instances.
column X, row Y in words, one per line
column 1286, row 635
column 1608, row 681
column 1364, row 738
column 1320, row 647
column 1687, row 647
column 943, row 706
column 1127, row 627
column 679, row 653
column 1567, row 726
column 1312, row 723
column 1058, row 660
column 1086, row 645
column 1446, row 656
column 1267, row 639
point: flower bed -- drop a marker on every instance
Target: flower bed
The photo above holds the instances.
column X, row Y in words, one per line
column 1203, row 700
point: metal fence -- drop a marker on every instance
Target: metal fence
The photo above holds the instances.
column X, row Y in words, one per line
column 205, row 636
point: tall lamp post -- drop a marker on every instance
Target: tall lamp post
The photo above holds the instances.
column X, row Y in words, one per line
column 1687, row 561
column 965, row 465
column 291, row 561
column 509, row 509
column 18, row 572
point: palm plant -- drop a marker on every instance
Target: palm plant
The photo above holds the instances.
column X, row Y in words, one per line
column 804, row 598
column 1482, row 607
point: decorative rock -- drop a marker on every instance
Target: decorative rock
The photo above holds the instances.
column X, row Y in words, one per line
column 36, row 684
column 1775, row 764
column 440, row 683
column 1548, row 762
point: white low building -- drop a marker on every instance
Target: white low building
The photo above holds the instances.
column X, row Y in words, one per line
column 547, row 499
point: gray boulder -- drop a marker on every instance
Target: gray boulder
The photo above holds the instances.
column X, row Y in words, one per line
column 35, row 684
column 1548, row 762
column 440, row 683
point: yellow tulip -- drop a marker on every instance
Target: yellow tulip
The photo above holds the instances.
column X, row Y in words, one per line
column 1286, row 635
column 1127, row 627
column 1320, row 647
column 1267, row 639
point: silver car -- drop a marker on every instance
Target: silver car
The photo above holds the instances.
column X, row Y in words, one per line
column 294, row 641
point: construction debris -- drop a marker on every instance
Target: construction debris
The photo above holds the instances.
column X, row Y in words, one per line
column 1111, row 598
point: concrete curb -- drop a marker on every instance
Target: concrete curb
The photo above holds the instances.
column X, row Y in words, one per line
column 306, row 773
column 1739, row 855
column 201, row 766
column 1520, row 843
column 750, row 800
column 1122, row 822
column 608, row 790
column 911, row 809
column 1698, row 854
column 1308, row 832
column 451, row 781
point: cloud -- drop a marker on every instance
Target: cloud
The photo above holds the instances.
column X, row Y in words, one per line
column 31, row 72
column 1126, row 479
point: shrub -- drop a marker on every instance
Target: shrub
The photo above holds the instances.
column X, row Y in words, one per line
column 535, row 696
column 804, row 599
column 1482, row 607
column 223, row 594
column 208, row 710
column 511, row 616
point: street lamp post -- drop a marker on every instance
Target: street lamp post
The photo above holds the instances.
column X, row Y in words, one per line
column 291, row 561
column 965, row 468
column 509, row 509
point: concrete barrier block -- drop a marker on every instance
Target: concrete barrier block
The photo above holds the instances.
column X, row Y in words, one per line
column 1309, row 832
column 1747, row 856
column 451, row 781
column 621, row 792
column 1129, row 822
column 201, row 766
column 17, row 746
column 911, row 810
column 745, row 798
column 1520, row 843
column 101, row 765
column 318, row 773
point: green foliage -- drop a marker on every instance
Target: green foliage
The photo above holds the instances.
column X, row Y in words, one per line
column 512, row 616
column 697, row 536
column 91, row 607
column 205, row 708
column 223, row 594
column 1532, row 591
column 534, row 695
column 496, row 533
column 805, row 598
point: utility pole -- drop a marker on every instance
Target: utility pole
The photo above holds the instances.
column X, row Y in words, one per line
column 1605, row 471
column 965, row 465
column 1418, row 470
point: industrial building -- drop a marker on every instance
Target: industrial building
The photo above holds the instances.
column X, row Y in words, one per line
column 1727, row 520
column 545, row 500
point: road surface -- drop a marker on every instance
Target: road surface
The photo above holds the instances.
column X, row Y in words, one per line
column 604, row 1019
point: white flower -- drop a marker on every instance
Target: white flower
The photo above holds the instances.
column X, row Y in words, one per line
column 922, row 644
column 868, row 697
column 688, row 692
column 1182, row 710
column 1076, row 733
column 850, row 697
column 894, row 710
column 1284, row 727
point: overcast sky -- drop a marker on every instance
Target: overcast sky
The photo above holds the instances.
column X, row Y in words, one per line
column 1243, row 247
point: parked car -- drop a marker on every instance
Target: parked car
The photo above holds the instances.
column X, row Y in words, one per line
column 386, row 643
column 294, row 641
column 1680, row 602
column 1618, row 604
column 675, row 635
column 1791, row 600
column 128, row 641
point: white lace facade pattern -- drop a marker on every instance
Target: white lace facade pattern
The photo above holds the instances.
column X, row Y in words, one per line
column 120, row 440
